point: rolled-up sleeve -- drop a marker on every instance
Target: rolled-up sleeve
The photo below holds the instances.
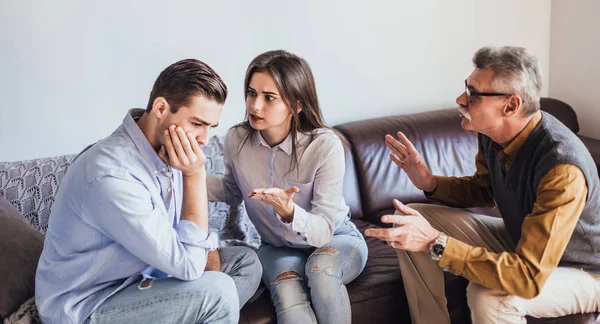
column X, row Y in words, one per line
column 122, row 208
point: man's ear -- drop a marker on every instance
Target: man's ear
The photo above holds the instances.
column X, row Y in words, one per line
column 513, row 106
column 160, row 107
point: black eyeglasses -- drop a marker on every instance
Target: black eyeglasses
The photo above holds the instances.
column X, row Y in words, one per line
column 470, row 93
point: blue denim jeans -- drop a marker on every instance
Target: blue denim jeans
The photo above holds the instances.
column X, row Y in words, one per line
column 295, row 277
column 216, row 297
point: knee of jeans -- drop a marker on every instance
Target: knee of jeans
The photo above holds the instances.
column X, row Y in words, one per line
column 224, row 289
column 252, row 264
column 321, row 261
column 288, row 275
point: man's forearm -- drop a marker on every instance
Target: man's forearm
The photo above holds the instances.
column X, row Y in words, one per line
column 195, row 204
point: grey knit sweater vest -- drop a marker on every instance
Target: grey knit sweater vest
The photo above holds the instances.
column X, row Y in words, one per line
column 551, row 143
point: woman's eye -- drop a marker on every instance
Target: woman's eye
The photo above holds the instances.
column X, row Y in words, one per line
column 269, row 98
column 250, row 93
column 196, row 125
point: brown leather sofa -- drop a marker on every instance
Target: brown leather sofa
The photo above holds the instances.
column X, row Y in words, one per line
column 372, row 181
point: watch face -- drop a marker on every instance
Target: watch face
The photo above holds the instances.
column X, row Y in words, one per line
column 438, row 249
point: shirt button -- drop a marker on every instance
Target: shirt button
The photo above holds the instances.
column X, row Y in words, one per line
column 169, row 190
column 155, row 171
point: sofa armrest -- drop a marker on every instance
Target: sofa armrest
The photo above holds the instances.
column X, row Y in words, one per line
column 593, row 145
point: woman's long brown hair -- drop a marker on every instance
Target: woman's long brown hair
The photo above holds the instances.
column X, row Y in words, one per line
column 296, row 84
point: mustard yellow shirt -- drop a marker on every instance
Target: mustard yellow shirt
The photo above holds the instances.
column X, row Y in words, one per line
column 560, row 199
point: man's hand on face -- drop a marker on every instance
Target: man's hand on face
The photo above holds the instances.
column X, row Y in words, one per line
column 182, row 152
column 406, row 156
column 412, row 232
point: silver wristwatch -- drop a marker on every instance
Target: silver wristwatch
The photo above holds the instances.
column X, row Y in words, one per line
column 437, row 248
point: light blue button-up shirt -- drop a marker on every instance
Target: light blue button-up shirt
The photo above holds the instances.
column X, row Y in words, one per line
column 319, row 206
column 115, row 220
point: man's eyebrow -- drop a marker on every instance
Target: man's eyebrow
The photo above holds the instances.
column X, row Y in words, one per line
column 472, row 88
column 204, row 122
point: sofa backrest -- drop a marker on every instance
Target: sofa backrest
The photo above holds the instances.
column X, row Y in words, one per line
column 446, row 148
column 31, row 185
column 437, row 135
column 562, row 111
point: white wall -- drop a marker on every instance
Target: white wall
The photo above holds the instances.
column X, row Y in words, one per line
column 69, row 69
column 574, row 60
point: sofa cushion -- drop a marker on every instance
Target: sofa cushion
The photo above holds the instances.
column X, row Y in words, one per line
column 20, row 248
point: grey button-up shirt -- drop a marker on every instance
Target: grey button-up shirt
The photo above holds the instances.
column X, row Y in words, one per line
column 319, row 206
column 114, row 221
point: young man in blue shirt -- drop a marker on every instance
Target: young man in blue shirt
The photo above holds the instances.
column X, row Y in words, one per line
column 128, row 239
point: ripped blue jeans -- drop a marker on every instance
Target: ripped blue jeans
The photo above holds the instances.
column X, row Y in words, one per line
column 295, row 277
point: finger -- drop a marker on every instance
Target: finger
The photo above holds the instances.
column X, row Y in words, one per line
column 396, row 147
column 186, row 141
column 395, row 151
column 386, row 234
column 169, row 146
column 405, row 210
column 395, row 219
column 271, row 191
column 291, row 191
column 397, row 161
column 178, row 146
column 409, row 145
column 256, row 192
column 162, row 153
column 400, row 244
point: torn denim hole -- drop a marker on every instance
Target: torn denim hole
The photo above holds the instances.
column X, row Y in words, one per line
column 287, row 276
column 330, row 250
column 146, row 283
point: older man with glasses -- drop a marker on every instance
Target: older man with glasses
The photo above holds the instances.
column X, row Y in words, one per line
column 542, row 257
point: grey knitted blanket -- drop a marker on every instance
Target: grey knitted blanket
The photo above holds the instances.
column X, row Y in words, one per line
column 26, row 314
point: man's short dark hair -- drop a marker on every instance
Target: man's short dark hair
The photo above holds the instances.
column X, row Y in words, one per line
column 185, row 79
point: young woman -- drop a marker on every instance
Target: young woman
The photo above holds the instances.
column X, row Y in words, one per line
column 288, row 167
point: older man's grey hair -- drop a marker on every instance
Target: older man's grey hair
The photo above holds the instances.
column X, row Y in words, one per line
column 516, row 71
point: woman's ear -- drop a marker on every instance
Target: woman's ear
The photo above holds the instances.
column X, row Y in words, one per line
column 298, row 107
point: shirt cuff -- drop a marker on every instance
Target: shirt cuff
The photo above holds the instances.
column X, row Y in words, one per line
column 190, row 233
column 444, row 186
column 300, row 225
column 454, row 256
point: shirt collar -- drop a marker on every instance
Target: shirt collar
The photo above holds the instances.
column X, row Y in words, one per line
column 285, row 146
column 515, row 145
column 139, row 139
